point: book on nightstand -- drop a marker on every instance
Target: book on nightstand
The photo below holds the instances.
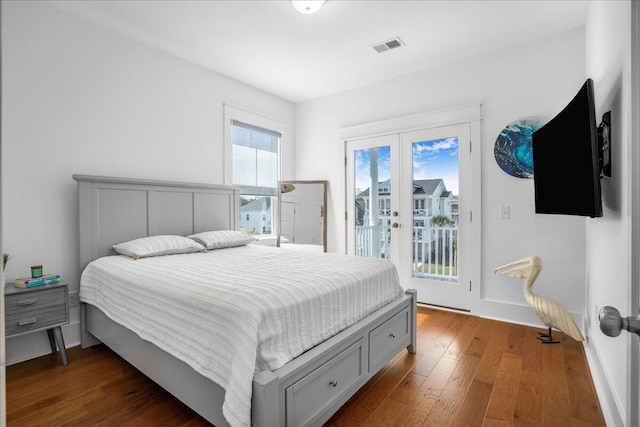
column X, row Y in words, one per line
column 30, row 282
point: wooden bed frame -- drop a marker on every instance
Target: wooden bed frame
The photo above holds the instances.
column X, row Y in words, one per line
column 306, row 391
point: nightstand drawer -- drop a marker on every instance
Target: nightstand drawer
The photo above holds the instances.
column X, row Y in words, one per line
column 35, row 300
column 36, row 309
column 35, row 319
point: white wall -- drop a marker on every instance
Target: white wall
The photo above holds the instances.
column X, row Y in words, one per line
column 536, row 78
column 79, row 99
column 609, row 260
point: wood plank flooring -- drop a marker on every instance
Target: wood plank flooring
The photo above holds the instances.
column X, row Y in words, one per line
column 467, row 371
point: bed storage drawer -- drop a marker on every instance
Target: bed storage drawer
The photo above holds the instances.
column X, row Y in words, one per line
column 307, row 398
column 389, row 337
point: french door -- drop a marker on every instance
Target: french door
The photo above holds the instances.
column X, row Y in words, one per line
column 407, row 201
column 373, row 205
column 436, row 235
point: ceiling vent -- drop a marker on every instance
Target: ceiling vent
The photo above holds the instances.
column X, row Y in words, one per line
column 388, row 45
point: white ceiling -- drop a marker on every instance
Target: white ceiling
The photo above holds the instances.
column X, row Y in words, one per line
column 269, row 45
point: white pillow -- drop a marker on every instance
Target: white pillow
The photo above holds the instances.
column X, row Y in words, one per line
column 222, row 239
column 157, row 245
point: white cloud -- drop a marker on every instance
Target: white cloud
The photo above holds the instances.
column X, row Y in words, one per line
column 436, row 146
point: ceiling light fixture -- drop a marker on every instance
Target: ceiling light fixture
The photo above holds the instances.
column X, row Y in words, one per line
column 307, row 6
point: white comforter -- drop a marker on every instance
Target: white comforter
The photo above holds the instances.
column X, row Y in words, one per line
column 230, row 312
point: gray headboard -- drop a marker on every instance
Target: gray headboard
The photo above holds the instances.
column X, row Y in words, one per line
column 114, row 210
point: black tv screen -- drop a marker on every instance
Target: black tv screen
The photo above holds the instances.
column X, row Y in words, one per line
column 566, row 160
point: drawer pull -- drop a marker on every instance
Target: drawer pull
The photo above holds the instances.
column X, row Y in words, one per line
column 392, row 335
column 24, row 322
column 333, row 383
column 26, row 302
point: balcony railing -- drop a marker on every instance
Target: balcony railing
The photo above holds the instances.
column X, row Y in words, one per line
column 417, row 213
column 421, row 212
column 373, row 241
column 435, row 252
column 434, row 249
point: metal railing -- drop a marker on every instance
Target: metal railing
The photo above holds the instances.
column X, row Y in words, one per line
column 422, row 212
column 435, row 252
column 434, row 249
column 386, row 213
column 373, row 241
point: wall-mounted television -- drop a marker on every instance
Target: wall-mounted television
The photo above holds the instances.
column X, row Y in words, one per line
column 570, row 156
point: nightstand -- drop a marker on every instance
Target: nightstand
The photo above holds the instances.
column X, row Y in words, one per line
column 39, row 308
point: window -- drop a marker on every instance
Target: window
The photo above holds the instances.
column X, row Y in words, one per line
column 255, row 168
column 254, row 159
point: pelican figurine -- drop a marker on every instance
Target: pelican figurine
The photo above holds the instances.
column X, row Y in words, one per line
column 552, row 314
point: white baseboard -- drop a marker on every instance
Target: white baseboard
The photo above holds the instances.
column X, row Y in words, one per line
column 521, row 314
column 612, row 415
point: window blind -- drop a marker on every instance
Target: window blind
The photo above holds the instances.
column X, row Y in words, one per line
column 255, row 154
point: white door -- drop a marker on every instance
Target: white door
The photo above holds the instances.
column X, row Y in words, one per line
column 435, row 215
column 288, row 222
column 373, row 170
column 407, row 201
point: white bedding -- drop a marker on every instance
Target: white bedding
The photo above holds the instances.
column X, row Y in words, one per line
column 231, row 312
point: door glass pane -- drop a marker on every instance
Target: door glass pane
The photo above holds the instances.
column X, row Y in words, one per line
column 372, row 168
column 435, row 209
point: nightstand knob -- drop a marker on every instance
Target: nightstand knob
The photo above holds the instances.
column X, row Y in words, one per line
column 333, row 383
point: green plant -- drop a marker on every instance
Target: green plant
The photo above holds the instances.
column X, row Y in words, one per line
column 5, row 260
column 442, row 221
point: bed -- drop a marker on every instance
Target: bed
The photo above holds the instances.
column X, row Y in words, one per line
column 305, row 390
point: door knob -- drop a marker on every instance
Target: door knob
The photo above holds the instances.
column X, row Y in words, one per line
column 612, row 323
column 395, row 225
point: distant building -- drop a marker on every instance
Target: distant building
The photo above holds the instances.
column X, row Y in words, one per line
column 255, row 216
column 360, row 210
column 430, row 198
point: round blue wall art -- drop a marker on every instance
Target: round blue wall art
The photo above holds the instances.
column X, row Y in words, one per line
column 513, row 146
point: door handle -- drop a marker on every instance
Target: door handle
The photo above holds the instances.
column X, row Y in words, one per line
column 395, row 225
column 612, row 323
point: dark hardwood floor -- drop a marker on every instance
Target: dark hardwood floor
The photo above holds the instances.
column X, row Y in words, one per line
column 467, row 371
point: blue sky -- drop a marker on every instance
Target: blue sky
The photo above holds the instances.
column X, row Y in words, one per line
column 431, row 159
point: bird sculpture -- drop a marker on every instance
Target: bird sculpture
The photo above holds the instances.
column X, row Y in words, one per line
column 552, row 314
